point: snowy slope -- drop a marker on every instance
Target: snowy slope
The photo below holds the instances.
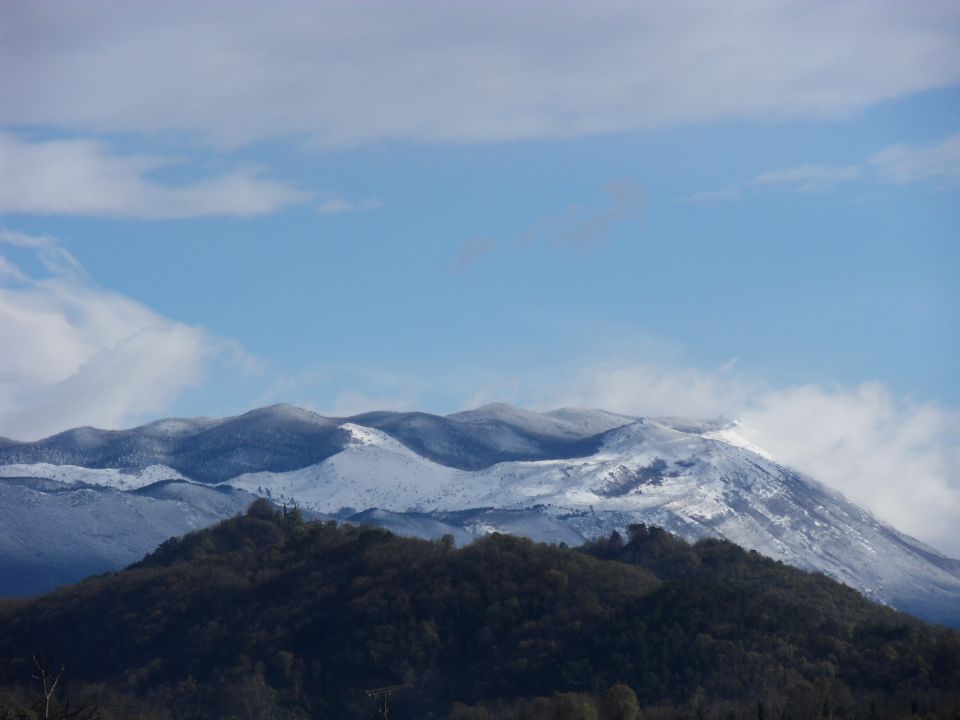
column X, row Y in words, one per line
column 586, row 422
column 129, row 479
column 52, row 533
column 372, row 471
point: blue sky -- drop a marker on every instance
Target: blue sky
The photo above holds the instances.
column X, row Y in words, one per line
column 695, row 208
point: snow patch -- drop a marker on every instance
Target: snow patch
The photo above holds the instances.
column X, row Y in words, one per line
column 102, row 477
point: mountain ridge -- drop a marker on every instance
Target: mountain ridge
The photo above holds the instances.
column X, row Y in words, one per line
column 213, row 450
column 544, row 475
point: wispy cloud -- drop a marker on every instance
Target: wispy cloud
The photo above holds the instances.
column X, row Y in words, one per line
column 899, row 164
column 75, row 354
column 336, row 206
column 801, row 178
column 472, row 250
column 903, row 164
column 809, row 178
column 580, row 225
column 575, row 226
column 340, row 391
column 463, row 72
column 715, row 197
column 54, row 259
column 83, row 177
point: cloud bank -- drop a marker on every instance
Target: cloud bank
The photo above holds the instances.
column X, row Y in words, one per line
column 234, row 72
column 75, row 354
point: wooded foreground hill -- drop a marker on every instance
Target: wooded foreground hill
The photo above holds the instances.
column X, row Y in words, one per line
column 268, row 616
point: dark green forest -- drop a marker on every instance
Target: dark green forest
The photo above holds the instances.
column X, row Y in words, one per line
column 268, row 616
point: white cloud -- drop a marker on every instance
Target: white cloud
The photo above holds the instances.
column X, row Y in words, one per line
column 896, row 457
column 345, row 73
column 336, row 206
column 807, row 178
column 715, row 197
column 902, row 164
column 82, row 177
column 652, row 391
column 52, row 257
column 899, row 164
column 75, row 354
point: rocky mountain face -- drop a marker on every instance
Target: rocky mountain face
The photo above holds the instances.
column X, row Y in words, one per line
column 565, row 476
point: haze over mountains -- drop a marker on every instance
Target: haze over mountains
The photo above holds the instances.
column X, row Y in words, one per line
column 105, row 498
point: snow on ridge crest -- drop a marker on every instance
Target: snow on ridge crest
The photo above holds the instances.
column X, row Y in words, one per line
column 730, row 436
column 649, row 431
column 639, row 434
column 102, row 477
column 361, row 435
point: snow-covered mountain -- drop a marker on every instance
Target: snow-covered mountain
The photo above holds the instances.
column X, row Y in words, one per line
column 564, row 476
column 283, row 437
column 54, row 532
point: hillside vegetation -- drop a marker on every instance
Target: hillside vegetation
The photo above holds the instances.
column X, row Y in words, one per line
column 267, row 616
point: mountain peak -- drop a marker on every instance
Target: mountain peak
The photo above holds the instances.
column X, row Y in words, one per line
column 490, row 410
column 566, row 422
column 284, row 412
column 697, row 426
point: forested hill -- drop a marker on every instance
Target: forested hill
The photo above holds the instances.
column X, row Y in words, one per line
column 266, row 616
